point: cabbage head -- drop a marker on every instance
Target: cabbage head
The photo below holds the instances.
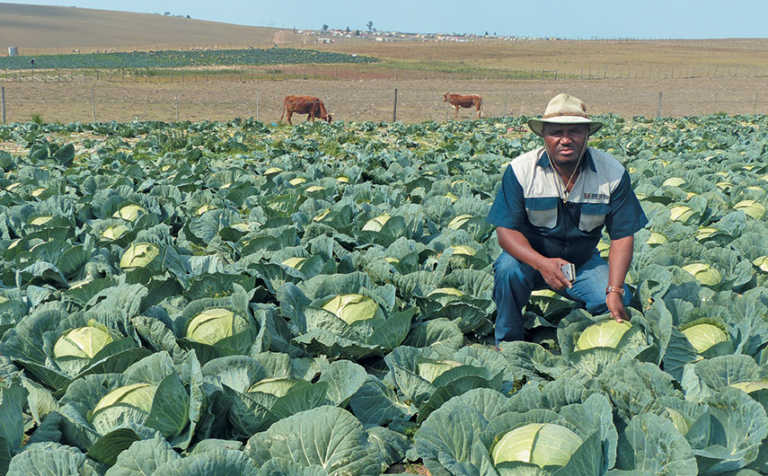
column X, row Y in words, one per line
column 353, row 307
column 81, row 343
column 139, row 255
column 75, row 348
column 129, row 212
column 278, row 386
column 114, row 232
column 429, row 369
column 606, row 333
column 213, row 325
column 542, row 444
column 130, row 403
column 704, row 273
column 703, row 336
column 377, row 223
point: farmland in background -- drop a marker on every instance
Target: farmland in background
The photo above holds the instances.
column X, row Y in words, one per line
column 623, row 77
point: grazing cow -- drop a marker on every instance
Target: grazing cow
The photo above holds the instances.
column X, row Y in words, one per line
column 309, row 105
column 460, row 100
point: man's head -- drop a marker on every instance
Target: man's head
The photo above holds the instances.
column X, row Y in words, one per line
column 565, row 142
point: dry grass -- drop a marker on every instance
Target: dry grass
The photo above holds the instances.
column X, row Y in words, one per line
column 623, row 77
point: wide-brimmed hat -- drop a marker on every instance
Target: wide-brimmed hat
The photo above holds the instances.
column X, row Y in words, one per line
column 564, row 109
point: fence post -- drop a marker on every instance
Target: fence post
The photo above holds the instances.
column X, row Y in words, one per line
column 658, row 109
column 394, row 109
column 176, row 100
column 2, row 101
column 93, row 103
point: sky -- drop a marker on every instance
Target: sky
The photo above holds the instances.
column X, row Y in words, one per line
column 575, row 19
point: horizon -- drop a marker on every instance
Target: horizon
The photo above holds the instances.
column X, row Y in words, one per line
column 705, row 19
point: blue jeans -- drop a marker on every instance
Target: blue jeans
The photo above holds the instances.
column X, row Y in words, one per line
column 513, row 282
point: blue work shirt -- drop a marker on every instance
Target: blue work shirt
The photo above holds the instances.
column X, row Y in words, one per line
column 530, row 202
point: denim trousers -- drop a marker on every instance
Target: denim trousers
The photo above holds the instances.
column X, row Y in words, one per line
column 513, row 282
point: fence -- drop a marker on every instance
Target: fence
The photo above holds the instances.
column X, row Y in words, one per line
column 356, row 100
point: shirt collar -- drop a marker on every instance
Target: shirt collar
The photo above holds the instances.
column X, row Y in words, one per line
column 587, row 162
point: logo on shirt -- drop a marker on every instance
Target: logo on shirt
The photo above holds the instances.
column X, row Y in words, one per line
column 596, row 196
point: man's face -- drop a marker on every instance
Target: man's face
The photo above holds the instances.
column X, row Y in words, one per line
column 564, row 142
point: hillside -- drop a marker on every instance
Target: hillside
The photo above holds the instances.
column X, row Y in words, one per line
column 42, row 29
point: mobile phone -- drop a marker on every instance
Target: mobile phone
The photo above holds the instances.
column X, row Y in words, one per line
column 569, row 270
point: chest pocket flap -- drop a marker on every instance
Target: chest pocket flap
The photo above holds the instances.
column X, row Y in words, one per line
column 542, row 211
column 592, row 216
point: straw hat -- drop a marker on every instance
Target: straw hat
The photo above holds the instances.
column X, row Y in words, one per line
column 564, row 109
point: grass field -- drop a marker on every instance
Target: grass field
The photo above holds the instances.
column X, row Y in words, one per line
column 671, row 78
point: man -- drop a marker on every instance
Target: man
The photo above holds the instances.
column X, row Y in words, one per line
column 550, row 212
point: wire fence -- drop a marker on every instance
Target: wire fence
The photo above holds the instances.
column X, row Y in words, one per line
column 77, row 98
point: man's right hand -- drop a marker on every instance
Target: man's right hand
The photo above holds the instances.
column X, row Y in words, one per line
column 550, row 270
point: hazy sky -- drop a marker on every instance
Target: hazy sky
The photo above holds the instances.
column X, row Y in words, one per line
column 562, row 18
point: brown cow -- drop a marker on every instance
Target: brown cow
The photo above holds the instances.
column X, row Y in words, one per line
column 309, row 105
column 459, row 100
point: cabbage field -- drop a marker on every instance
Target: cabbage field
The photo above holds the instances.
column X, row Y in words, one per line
column 251, row 299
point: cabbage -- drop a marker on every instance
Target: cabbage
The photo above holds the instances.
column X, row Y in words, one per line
column 139, row 255
column 342, row 179
column 314, row 188
column 606, row 333
column 114, row 232
column 127, row 404
column 451, row 291
column 677, row 419
column 320, row 216
column 704, row 273
column 296, row 262
column 205, row 208
column 463, row 250
column 273, row 170
column 752, row 386
column 353, row 307
column 656, row 239
column 212, row 325
column 752, row 208
column 278, row 386
column 40, row 221
column 129, row 212
column 542, row 444
column 38, row 191
column 673, row 182
column 762, row 263
column 297, row 181
column 459, row 221
column 703, row 336
column 429, row 370
column 681, row 213
column 705, row 232
column 375, row 224
column 81, row 343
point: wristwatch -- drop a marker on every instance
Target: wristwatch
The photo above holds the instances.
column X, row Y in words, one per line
column 613, row 289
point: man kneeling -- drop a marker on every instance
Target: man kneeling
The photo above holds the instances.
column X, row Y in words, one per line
column 549, row 213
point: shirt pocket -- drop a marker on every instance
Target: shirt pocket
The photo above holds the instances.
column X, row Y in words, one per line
column 542, row 212
column 592, row 216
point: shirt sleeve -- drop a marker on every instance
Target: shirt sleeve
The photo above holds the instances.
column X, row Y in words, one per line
column 626, row 216
column 508, row 210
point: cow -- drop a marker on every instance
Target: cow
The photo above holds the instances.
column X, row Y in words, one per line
column 460, row 100
column 309, row 105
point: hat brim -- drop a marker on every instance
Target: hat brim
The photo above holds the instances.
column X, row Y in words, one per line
column 537, row 125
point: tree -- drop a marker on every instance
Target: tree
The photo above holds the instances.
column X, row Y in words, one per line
column 325, row 28
column 347, row 30
column 369, row 25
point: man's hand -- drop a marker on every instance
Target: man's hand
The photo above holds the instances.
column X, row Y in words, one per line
column 615, row 304
column 550, row 270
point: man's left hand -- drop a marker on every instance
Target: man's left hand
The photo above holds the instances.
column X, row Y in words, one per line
column 615, row 304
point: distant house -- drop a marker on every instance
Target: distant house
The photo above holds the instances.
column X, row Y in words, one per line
column 324, row 40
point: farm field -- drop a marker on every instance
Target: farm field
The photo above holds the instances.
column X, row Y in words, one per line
column 241, row 298
column 622, row 77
